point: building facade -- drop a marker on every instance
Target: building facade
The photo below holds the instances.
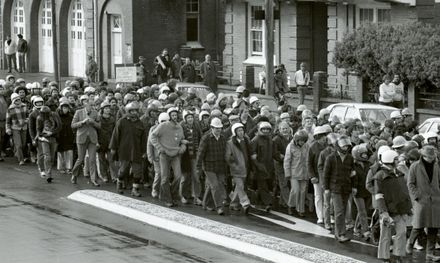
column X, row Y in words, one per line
column 114, row 32
column 307, row 31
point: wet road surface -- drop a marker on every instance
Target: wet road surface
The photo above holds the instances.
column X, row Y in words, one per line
column 44, row 226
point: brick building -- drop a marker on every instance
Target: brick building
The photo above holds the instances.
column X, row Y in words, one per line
column 113, row 31
column 307, row 31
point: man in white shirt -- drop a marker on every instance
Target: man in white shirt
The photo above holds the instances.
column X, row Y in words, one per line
column 387, row 91
column 10, row 49
column 301, row 80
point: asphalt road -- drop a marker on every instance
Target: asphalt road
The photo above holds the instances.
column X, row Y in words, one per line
column 38, row 224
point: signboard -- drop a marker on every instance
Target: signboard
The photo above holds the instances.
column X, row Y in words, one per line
column 126, row 74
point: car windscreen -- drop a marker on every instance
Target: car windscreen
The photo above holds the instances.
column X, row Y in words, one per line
column 378, row 115
column 201, row 92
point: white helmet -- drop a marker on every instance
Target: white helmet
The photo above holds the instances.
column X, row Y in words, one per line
column 381, row 150
column 211, row 97
column 320, row 130
column 240, row 89
column 398, row 142
column 396, row 114
column 172, row 109
column 187, row 113
column 2, row 82
column 28, row 86
column 14, row 97
column 216, row 123
column 164, row 88
column 37, row 99
column 284, row 115
column 388, row 157
column 323, row 112
column 89, row 90
column 301, row 107
column 203, row 113
column 253, row 99
column 162, row 97
column 163, row 117
column 236, row 126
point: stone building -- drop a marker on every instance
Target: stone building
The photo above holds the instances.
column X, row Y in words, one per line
column 113, row 31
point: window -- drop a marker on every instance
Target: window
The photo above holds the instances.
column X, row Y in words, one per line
column 338, row 111
column 256, row 33
column 351, row 114
column 383, row 15
column 375, row 14
column 192, row 20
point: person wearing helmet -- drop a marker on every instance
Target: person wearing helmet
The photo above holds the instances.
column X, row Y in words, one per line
column 10, row 79
column 190, row 184
column 339, row 182
column 107, row 166
column 238, row 157
column 232, row 119
column 169, row 140
column 323, row 117
column 318, row 144
column 211, row 161
column 86, row 122
column 36, row 155
column 295, row 169
column 44, row 82
column 394, row 205
column 254, row 106
column 210, row 99
column 16, row 125
column 262, row 157
column 425, row 194
column 431, row 138
column 331, row 141
column 204, row 117
column 361, row 167
column 65, row 137
column 3, row 110
column 128, row 145
column 47, row 126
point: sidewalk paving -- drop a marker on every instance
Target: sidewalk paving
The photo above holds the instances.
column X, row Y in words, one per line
column 252, row 243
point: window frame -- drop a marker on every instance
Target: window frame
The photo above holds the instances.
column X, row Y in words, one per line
column 253, row 7
column 375, row 7
column 193, row 14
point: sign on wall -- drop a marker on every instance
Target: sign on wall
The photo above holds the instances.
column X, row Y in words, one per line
column 126, row 74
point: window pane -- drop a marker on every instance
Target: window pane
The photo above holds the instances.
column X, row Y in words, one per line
column 366, row 15
column 257, row 41
column 383, row 15
column 192, row 29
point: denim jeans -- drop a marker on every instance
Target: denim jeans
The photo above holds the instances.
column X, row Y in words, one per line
column 298, row 192
column 65, row 160
column 215, row 188
column 282, row 183
column 340, row 201
column 169, row 190
column 21, row 61
column 19, row 138
column 190, row 183
column 11, row 61
column 301, row 94
column 239, row 193
column 107, row 166
column 399, row 242
column 49, row 149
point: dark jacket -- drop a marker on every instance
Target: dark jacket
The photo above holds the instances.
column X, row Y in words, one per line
column 313, row 157
column 262, row 147
column 361, row 171
column 337, row 174
column 392, row 194
column 238, row 156
column 66, row 137
column 280, row 143
column 105, row 133
column 129, row 140
column 211, row 153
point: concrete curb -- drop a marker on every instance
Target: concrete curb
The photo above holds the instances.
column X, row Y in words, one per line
column 251, row 243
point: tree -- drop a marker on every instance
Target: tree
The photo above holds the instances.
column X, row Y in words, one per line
column 411, row 50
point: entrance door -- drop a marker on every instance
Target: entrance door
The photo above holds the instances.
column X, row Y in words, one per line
column 46, row 50
column 18, row 22
column 116, row 31
column 77, row 40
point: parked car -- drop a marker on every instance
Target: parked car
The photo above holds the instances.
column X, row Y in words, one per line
column 429, row 125
column 200, row 89
column 366, row 112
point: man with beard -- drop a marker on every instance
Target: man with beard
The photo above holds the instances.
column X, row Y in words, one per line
column 338, row 181
column 128, row 142
column 168, row 139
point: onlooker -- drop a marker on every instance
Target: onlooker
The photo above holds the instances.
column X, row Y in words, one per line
column 22, row 49
column 10, row 49
column 208, row 71
column 399, row 97
column 188, row 72
column 176, row 65
column 301, row 81
column 387, row 91
column 91, row 69
column 162, row 66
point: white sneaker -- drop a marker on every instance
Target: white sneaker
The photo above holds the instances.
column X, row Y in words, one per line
column 184, row 200
column 43, row 175
column 418, row 246
column 154, row 194
column 320, row 221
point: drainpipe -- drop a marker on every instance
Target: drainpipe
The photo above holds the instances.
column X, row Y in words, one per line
column 96, row 36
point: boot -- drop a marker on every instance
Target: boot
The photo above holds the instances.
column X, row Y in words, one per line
column 135, row 191
column 119, row 187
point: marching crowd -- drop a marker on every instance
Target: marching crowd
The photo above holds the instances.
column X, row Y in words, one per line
column 380, row 180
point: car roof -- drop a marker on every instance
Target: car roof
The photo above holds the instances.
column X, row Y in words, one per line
column 363, row 105
column 190, row 85
column 435, row 119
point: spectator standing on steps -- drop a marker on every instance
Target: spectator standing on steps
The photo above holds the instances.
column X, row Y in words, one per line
column 22, row 49
column 208, row 70
column 91, row 69
column 10, row 49
column 301, row 80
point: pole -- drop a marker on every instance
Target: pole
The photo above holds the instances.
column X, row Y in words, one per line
column 269, row 50
column 56, row 71
column 96, row 36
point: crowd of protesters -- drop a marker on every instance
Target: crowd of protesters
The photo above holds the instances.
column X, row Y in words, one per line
column 366, row 178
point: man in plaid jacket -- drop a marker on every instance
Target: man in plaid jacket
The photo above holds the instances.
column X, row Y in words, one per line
column 16, row 125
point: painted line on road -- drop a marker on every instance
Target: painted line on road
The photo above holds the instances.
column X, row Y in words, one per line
column 255, row 244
